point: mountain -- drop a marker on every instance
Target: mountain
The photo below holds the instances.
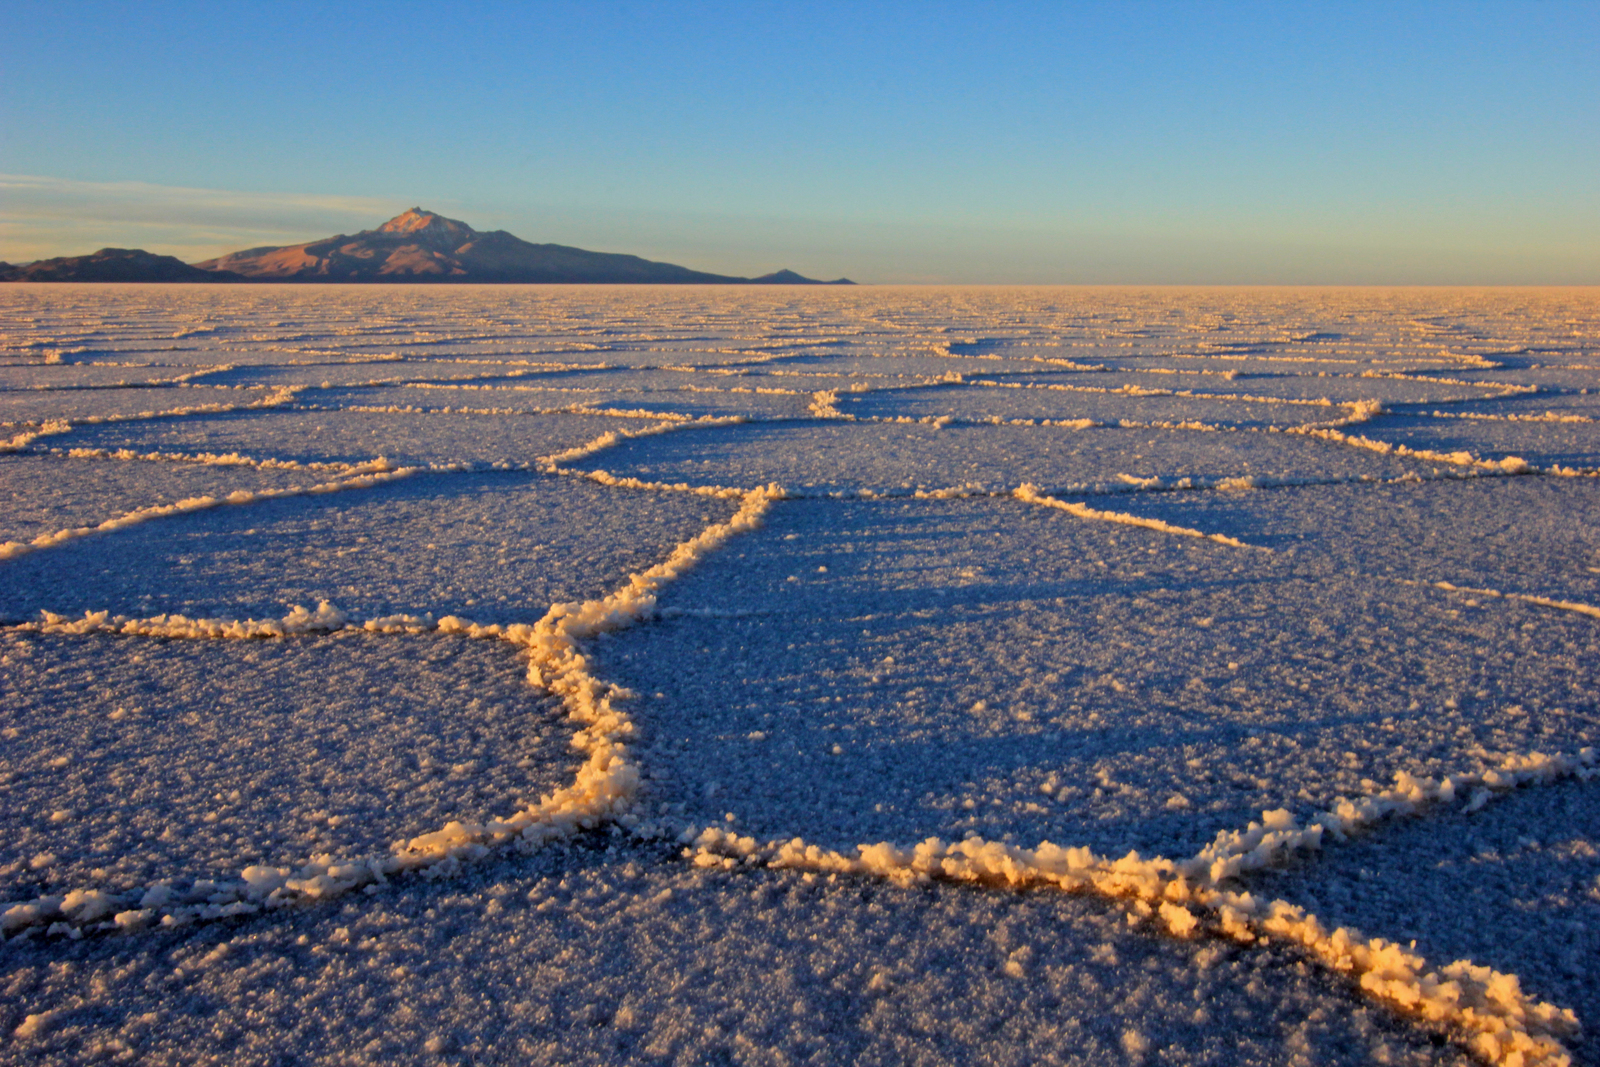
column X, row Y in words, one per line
column 420, row 246
column 112, row 265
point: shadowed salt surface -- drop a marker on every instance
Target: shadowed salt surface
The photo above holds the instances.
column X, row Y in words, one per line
column 625, row 957
column 1289, row 384
column 1054, row 400
column 1132, row 690
column 1567, row 444
column 355, row 436
column 1532, row 861
column 37, row 405
column 357, row 742
column 507, row 544
column 846, row 457
column 45, row 494
column 1306, row 574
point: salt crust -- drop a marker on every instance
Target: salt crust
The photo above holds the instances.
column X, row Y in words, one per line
column 1193, row 896
column 1030, row 494
column 1187, row 897
column 352, row 476
column 603, row 787
column 54, row 427
column 840, row 456
column 305, row 432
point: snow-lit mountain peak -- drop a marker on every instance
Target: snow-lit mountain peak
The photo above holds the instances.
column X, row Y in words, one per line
column 427, row 224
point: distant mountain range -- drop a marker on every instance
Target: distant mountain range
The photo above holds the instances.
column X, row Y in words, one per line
column 416, row 246
column 112, row 265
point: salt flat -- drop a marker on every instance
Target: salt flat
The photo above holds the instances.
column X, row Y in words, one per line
column 685, row 675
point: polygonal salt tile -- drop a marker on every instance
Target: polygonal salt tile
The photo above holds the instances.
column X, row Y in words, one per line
column 897, row 366
column 845, row 457
column 1048, row 401
column 1533, row 536
column 334, row 373
column 134, row 759
column 45, row 494
column 1514, row 885
column 43, row 405
column 357, row 436
column 857, row 672
column 1315, row 361
column 494, row 546
column 598, row 957
column 714, row 398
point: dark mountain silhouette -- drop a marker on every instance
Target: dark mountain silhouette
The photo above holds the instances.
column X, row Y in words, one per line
column 416, row 246
column 789, row 277
column 420, row 246
column 112, row 265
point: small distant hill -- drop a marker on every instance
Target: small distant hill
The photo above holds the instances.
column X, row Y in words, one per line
column 112, row 265
column 420, row 246
column 415, row 246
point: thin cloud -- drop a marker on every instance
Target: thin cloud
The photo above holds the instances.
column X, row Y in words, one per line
column 45, row 216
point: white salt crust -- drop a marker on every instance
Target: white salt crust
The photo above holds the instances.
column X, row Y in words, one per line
column 353, row 476
column 1193, row 897
column 603, row 787
column 1188, row 897
column 1197, row 897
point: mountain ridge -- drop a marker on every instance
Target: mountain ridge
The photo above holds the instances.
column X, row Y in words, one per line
column 414, row 247
column 112, row 265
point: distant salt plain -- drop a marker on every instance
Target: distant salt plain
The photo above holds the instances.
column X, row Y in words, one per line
column 682, row 675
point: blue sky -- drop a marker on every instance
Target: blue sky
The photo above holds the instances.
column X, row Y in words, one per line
column 1116, row 142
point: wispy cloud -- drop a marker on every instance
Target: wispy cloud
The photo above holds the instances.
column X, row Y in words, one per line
column 45, row 216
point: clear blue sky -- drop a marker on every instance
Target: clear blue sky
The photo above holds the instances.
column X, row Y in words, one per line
column 1114, row 142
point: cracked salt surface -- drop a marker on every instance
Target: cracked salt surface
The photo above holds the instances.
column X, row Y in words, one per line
column 1545, row 444
column 140, row 776
column 43, row 494
column 607, row 732
column 35, row 406
column 1049, row 399
column 506, row 543
column 1127, row 689
column 343, row 436
column 851, row 457
column 1537, row 536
